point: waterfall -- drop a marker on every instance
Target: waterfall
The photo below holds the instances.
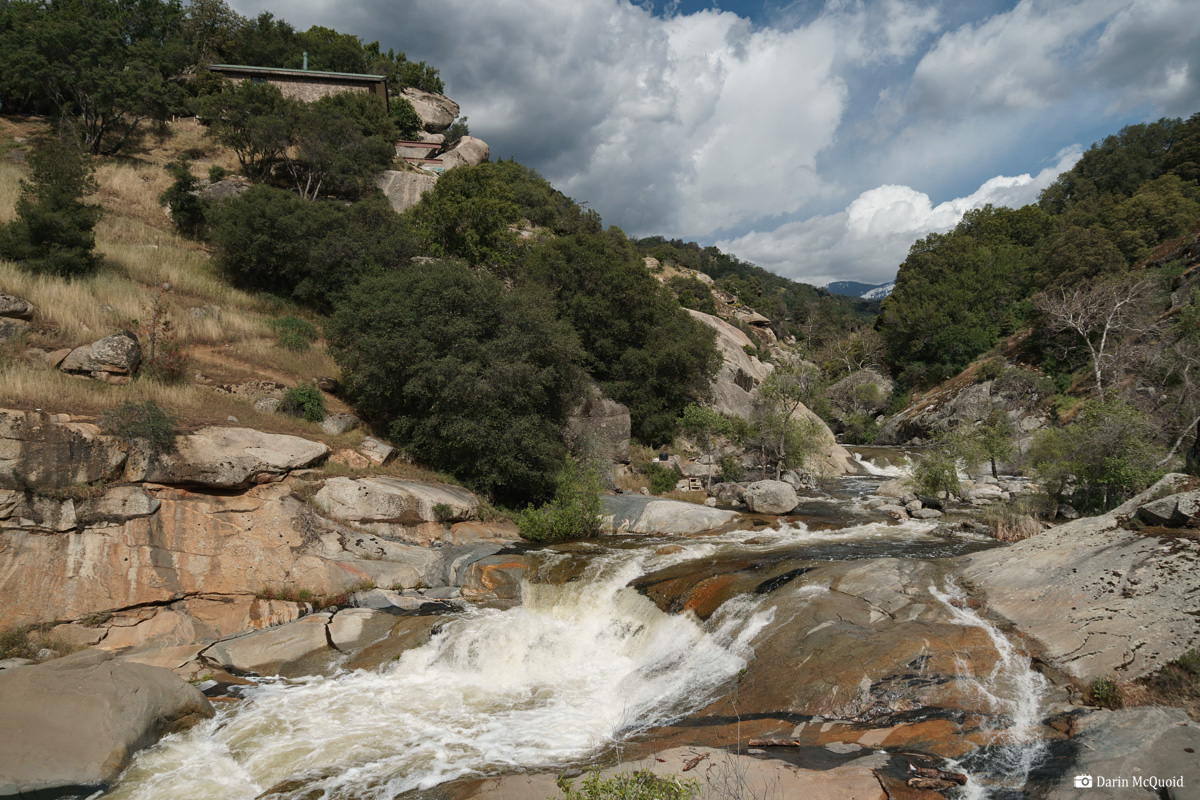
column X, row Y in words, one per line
column 550, row 682
column 1014, row 692
column 890, row 471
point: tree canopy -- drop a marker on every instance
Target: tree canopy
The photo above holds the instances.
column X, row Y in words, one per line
column 486, row 378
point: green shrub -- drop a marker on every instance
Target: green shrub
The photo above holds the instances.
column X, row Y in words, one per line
column 144, row 422
column 732, row 470
column 859, row 429
column 303, row 400
column 187, row 210
column 1106, row 693
column 216, row 173
column 936, row 472
column 1108, row 453
column 442, row 512
column 470, row 377
column 663, row 477
column 1018, row 382
column 641, row 785
column 989, row 370
column 293, row 333
column 52, row 233
column 574, row 513
column 16, row 642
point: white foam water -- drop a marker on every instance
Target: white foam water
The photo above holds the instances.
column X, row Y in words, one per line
column 890, row 471
column 1014, row 692
column 552, row 681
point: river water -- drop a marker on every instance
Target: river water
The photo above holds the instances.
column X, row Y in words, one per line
column 558, row 680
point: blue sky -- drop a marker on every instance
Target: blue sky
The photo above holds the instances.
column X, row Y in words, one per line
column 816, row 139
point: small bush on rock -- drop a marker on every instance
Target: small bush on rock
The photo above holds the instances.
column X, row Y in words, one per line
column 1106, row 693
column 662, row 477
column 141, row 422
column 574, row 513
column 303, row 400
column 641, row 785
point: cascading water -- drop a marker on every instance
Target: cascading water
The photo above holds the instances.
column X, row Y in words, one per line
column 887, row 471
column 544, row 684
column 1015, row 693
column 555, row 681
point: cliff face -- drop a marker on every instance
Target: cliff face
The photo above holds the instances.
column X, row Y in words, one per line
column 123, row 550
column 735, row 389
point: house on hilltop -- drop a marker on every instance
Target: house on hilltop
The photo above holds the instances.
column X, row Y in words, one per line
column 305, row 84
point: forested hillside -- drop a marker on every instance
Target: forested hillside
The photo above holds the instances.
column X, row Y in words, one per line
column 957, row 294
column 794, row 308
column 1086, row 304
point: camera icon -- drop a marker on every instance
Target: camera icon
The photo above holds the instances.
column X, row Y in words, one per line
column 1083, row 781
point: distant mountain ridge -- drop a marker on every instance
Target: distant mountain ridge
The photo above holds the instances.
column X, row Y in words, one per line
column 866, row 291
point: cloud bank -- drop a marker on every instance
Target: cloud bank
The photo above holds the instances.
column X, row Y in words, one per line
column 816, row 141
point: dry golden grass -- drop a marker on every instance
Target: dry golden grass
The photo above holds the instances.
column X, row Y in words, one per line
column 141, row 250
column 131, row 189
column 264, row 353
column 10, row 188
column 74, row 312
column 190, row 138
column 26, row 385
column 632, row 482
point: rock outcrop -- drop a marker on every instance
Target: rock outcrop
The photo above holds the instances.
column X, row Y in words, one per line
column 410, row 511
column 1096, row 598
column 112, row 359
column 740, row 373
column 15, row 314
column 631, row 513
column 602, row 423
column 962, row 400
column 1133, row 743
column 436, row 111
column 191, row 571
column 469, row 152
column 51, row 452
column 770, row 497
column 735, row 388
column 404, row 189
column 70, row 726
column 226, row 458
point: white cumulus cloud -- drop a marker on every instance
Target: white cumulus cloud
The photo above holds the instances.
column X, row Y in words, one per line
column 868, row 240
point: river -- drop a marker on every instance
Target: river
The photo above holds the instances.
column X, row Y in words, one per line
column 561, row 679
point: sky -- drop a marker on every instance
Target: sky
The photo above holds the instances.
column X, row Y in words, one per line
column 818, row 140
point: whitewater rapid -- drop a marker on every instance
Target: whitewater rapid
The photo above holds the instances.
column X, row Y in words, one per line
column 548, row 683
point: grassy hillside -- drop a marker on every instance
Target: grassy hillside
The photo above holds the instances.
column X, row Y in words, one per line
column 225, row 333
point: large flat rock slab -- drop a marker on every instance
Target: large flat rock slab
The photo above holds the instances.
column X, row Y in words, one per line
column 1097, row 600
column 718, row 773
column 632, row 513
column 1133, row 754
column 271, row 651
column 227, row 458
column 50, row 452
column 862, row 640
column 412, row 511
column 73, row 723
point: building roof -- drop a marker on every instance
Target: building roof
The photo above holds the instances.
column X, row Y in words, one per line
column 300, row 73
